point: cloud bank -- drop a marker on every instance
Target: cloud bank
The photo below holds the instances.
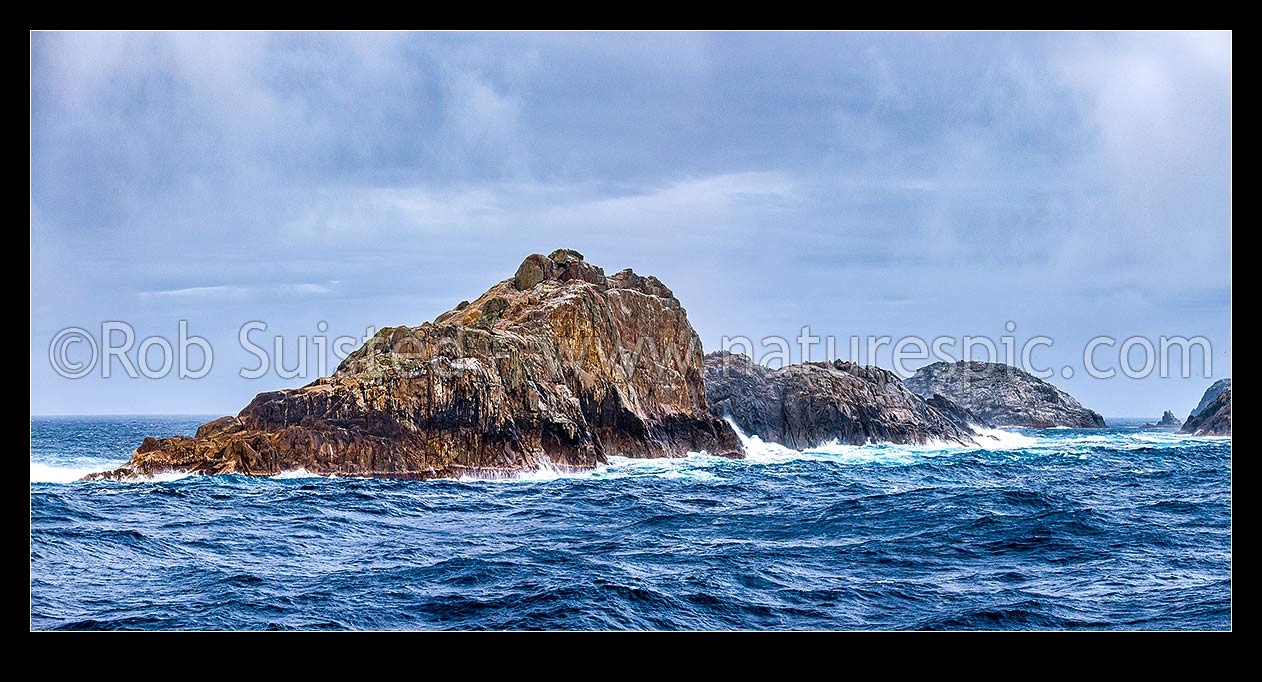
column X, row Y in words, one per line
column 865, row 183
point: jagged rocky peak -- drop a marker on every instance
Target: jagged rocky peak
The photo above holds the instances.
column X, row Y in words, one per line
column 564, row 265
column 1213, row 416
column 805, row 405
column 1167, row 421
column 1003, row 395
column 558, row 366
column 1211, row 394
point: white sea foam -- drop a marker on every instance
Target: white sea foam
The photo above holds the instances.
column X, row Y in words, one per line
column 1000, row 439
column 544, row 472
column 300, row 472
column 694, row 466
column 45, row 473
column 48, row 473
column 759, row 451
column 164, row 477
column 701, row 466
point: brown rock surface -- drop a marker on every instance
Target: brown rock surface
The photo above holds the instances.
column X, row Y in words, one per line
column 558, row 366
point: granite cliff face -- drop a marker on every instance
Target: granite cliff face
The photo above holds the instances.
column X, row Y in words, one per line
column 1214, row 419
column 1003, row 395
column 559, row 366
column 802, row 406
column 1211, row 394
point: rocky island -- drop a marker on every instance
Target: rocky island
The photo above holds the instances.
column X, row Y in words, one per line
column 1167, row 421
column 559, row 366
column 1212, row 416
column 1003, row 395
column 805, row 405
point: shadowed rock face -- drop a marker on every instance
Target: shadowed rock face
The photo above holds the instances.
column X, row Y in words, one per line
column 1215, row 389
column 1003, row 395
column 1213, row 420
column 559, row 366
column 956, row 412
column 802, row 406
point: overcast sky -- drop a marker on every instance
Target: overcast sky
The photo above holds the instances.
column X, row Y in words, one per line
column 862, row 184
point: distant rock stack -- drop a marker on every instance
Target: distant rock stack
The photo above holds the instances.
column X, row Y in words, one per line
column 1168, row 419
column 1003, row 395
column 805, row 405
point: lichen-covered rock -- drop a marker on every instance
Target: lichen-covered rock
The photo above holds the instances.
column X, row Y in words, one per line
column 1214, row 419
column 558, row 366
column 805, row 405
column 532, row 271
column 1003, row 395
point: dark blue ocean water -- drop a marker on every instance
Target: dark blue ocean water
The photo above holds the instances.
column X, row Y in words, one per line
column 1121, row 529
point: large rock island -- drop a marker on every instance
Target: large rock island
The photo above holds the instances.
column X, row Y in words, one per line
column 559, row 366
column 805, row 405
column 1212, row 416
column 1003, row 395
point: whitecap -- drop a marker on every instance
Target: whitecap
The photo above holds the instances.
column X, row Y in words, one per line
column 47, row 473
column 300, row 472
column 1002, row 439
column 164, row 477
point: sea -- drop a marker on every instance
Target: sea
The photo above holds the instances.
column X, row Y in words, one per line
column 1123, row 528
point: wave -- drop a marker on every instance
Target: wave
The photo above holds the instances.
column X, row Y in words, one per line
column 762, row 452
column 1001, row 439
column 300, row 472
column 49, row 473
column 701, row 466
column 46, row 473
column 818, row 542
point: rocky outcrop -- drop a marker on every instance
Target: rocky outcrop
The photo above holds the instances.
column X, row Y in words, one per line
column 1214, row 419
column 559, row 366
column 1003, row 395
column 1211, row 394
column 805, row 405
column 1168, row 419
